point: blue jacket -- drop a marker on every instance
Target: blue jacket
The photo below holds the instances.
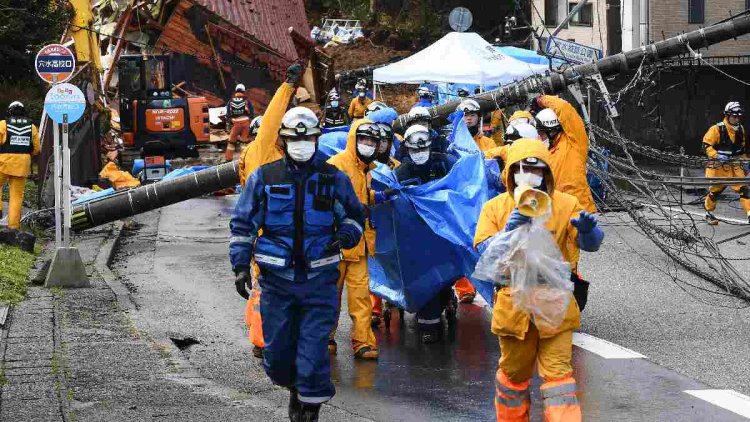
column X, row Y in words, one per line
column 299, row 211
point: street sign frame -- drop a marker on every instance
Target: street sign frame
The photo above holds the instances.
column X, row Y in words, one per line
column 572, row 52
column 50, row 56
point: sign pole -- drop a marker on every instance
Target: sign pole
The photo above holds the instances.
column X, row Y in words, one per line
column 66, row 183
column 58, row 184
column 64, row 104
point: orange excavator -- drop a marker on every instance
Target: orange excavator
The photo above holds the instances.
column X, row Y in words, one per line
column 151, row 119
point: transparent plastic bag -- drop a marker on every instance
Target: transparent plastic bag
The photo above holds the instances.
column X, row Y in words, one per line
column 528, row 260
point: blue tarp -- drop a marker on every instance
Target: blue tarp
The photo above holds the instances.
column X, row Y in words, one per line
column 528, row 56
column 96, row 195
column 183, row 171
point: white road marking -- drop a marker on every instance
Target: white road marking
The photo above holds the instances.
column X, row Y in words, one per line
column 604, row 348
column 726, row 399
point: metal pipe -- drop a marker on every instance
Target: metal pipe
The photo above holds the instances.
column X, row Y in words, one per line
column 518, row 92
column 155, row 195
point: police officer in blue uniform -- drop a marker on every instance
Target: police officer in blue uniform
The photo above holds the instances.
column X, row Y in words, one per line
column 308, row 211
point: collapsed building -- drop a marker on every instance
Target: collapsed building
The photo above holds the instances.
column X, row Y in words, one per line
column 211, row 45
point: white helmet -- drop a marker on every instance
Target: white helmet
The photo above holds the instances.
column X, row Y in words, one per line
column 333, row 95
column 469, row 106
column 423, row 91
column 16, row 108
column 419, row 113
column 417, row 136
column 547, row 120
column 255, row 125
column 520, row 130
column 734, row 109
column 374, row 106
column 298, row 122
column 239, row 88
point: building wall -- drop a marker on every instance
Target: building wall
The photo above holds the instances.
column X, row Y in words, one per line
column 594, row 36
column 668, row 18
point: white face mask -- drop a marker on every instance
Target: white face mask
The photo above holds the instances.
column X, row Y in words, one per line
column 301, row 151
column 523, row 178
column 419, row 157
column 366, row 151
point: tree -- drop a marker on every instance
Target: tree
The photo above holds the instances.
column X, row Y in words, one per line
column 26, row 26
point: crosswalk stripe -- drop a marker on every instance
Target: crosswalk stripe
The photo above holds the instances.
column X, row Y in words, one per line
column 726, row 399
column 604, row 348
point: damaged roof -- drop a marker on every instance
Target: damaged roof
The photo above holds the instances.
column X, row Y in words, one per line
column 266, row 20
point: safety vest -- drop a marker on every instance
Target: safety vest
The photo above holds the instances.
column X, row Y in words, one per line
column 238, row 107
column 18, row 139
column 725, row 145
column 334, row 117
column 299, row 220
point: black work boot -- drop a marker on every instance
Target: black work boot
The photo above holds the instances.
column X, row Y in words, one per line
column 295, row 406
column 309, row 412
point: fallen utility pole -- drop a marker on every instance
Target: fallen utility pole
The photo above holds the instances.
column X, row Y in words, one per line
column 150, row 197
column 518, row 92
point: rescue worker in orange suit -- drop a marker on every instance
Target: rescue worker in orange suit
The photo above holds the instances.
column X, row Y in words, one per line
column 523, row 343
column 267, row 147
column 19, row 141
column 358, row 105
column 560, row 125
column 356, row 161
column 724, row 142
column 384, row 117
column 240, row 112
column 464, row 289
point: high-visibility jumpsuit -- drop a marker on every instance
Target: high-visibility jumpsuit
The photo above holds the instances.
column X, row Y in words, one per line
column 721, row 138
column 19, row 141
column 523, row 343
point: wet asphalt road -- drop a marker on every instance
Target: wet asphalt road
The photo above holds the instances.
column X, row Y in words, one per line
column 177, row 268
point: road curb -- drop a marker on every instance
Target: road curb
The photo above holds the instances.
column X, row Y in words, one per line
column 104, row 259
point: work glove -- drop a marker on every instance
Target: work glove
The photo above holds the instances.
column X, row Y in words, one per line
column 585, row 223
column 385, row 195
column 722, row 157
column 243, row 281
column 590, row 236
column 293, row 74
column 535, row 105
column 516, row 220
column 348, row 236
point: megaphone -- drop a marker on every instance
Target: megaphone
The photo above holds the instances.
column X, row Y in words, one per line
column 532, row 202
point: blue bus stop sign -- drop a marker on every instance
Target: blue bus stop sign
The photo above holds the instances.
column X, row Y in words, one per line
column 64, row 99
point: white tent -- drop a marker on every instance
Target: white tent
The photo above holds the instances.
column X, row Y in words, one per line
column 458, row 57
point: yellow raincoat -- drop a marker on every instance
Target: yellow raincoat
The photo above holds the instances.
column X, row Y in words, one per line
column 353, row 269
column 13, row 170
column 523, row 344
column 17, row 165
column 357, row 109
column 264, row 150
column 570, row 152
column 484, row 143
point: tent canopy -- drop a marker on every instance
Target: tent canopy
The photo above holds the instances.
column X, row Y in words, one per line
column 459, row 57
